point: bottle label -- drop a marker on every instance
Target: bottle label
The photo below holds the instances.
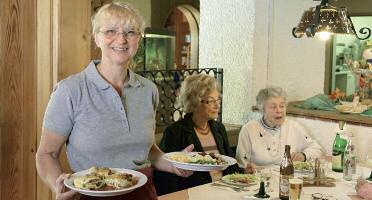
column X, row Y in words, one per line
column 337, row 161
column 284, row 185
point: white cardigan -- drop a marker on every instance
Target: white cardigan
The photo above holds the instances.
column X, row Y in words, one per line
column 265, row 146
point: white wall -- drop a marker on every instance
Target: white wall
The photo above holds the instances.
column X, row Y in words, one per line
column 226, row 41
column 252, row 41
column 297, row 65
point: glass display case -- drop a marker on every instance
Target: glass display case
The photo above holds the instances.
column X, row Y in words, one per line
column 156, row 51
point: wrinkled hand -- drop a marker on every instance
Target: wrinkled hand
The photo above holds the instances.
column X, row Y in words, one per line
column 250, row 168
column 61, row 194
column 360, row 183
column 182, row 172
column 297, row 156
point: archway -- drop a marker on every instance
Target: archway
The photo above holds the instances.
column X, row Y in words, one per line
column 184, row 20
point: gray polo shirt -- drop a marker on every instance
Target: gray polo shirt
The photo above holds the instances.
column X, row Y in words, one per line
column 103, row 129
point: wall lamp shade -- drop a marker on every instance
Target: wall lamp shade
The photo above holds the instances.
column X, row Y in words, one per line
column 327, row 18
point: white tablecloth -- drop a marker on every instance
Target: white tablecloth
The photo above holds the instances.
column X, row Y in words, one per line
column 342, row 191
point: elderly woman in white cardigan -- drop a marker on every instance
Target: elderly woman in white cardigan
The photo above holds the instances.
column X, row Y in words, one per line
column 261, row 142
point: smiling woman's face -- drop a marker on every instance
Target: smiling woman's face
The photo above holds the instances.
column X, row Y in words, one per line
column 274, row 111
column 120, row 48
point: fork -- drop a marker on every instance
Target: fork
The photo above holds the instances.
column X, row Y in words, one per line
column 235, row 188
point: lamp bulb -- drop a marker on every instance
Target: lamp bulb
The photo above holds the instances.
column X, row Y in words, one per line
column 324, row 35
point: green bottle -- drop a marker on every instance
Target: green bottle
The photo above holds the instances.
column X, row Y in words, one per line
column 338, row 150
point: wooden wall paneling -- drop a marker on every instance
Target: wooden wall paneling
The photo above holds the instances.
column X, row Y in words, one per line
column 74, row 37
column 45, row 76
column 18, row 100
column 2, row 92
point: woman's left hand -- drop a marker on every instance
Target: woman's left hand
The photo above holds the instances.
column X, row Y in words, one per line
column 182, row 172
column 297, row 156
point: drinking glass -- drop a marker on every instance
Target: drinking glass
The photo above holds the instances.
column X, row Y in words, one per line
column 295, row 188
column 266, row 174
column 369, row 164
column 262, row 191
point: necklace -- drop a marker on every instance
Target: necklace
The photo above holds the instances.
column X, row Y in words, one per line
column 203, row 131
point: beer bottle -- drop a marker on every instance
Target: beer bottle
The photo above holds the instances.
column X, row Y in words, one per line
column 338, row 150
column 286, row 171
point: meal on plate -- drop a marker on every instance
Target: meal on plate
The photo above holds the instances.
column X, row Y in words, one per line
column 198, row 158
column 240, row 178
column 103, row 179
column 298, row 165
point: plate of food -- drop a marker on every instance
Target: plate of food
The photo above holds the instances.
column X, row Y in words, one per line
column 103, row 182
column 302, row 167
column 351, row 109
column 199, row 161
column 240, row 179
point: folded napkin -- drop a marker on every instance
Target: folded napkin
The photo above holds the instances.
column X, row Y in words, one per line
column 317, row 102
column 367, row 113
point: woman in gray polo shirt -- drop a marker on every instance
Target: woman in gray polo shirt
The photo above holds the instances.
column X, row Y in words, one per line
column 105, row 114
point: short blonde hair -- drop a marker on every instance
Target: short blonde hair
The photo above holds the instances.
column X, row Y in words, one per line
column 267, row 93
column 194, row 88
column 122, row 11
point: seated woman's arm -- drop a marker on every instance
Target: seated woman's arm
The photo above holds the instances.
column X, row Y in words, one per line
column 243, row 150
column 310, row 147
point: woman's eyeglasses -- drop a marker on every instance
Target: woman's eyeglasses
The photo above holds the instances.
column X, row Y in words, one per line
column 113, row 34
column 212, row 101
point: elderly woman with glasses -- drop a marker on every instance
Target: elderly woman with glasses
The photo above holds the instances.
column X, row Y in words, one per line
column 261, row 142
column 105, row 114
column 200, row 99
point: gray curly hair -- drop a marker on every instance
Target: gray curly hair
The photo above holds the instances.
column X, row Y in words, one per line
column 121, row 10
column 194, row 88
column 267, row 93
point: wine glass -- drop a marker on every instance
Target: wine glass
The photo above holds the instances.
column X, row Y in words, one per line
column 266, row 175
column 369, row 164
column 262, row 190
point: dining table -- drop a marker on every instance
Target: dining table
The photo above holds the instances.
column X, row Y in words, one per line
column 342, row 190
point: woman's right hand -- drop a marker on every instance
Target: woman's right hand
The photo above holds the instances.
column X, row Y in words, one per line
column 61, row 193
column 250, row 168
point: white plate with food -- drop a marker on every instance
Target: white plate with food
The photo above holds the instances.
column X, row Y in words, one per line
column 103, row 182
column 238, row 179
column 302, row 167
column 199, row 161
